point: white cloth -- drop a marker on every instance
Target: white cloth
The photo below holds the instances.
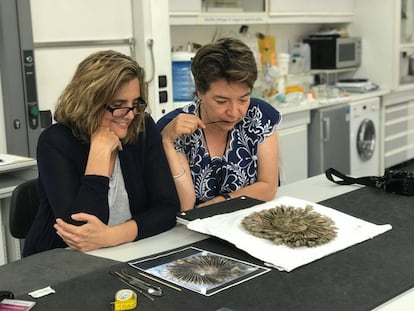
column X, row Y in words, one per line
column 350, row 231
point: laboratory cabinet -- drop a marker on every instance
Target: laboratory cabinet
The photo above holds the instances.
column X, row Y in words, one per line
column 293, row 147
column 398, row 142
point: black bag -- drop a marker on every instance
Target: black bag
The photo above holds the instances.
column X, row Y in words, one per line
column 399, row 182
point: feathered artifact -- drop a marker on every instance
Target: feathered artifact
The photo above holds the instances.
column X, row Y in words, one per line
column 294, row 227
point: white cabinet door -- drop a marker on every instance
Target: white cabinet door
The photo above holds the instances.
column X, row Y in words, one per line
column 312, row 7
column 62, row 20
column 293, row 146
column 314, row 11
column 293, row 154
column 65, row 32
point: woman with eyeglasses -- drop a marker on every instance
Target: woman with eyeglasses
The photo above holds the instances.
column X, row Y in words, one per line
column 224, row 144
column 103, row 176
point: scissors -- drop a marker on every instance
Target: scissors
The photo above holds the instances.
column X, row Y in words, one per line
column 144, row 288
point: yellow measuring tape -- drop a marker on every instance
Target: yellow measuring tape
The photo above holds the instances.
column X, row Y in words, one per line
column 125, row 299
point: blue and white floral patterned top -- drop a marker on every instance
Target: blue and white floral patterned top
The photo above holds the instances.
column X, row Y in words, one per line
column 238, row 166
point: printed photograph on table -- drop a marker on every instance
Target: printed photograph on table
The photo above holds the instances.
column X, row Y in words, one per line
column 198, row 270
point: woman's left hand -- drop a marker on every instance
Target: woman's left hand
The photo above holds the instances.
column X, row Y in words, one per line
column 92, row 235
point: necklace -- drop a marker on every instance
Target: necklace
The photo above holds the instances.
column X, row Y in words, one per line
column 205, row 137
column 225, row 145
column 216, row 163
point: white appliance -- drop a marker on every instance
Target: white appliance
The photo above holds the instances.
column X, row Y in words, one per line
column 345, row 137
column 364, row 137
column 356, row 85
column 329, row 140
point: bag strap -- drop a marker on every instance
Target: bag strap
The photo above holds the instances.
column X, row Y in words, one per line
column 371, row 181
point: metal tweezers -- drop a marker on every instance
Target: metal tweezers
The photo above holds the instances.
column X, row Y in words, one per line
column 146, row 289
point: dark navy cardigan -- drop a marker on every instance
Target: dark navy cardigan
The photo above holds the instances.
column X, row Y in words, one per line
column 64, row 189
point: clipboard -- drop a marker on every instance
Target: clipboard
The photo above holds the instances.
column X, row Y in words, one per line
column 228, row 206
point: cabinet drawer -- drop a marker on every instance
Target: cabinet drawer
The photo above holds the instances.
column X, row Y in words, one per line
column 395, row 158
column 294, row 119
column 311, row 7
column 396, row 112
column 395, row 143
column 395, row 128
column 410, row 152
column 410, row 121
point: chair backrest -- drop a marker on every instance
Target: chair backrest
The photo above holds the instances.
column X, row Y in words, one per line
column 24, row 204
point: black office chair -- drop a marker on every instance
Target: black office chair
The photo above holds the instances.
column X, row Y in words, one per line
column 24, row 204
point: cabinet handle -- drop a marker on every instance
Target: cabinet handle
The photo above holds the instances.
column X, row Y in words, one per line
column 326, row 125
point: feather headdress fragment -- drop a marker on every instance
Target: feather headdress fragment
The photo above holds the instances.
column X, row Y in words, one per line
column 291, row 226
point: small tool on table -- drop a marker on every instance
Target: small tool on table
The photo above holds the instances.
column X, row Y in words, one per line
column 142, row 287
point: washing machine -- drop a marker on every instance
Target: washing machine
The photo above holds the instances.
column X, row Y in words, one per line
column 364, row 137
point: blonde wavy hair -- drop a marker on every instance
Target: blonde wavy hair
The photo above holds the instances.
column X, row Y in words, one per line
column 95, row 83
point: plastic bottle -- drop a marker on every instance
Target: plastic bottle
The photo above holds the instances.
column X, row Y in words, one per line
column 283, row 63
column 300, row 58
column 305, row 51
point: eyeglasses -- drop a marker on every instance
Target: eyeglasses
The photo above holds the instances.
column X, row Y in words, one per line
column 120, row 112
